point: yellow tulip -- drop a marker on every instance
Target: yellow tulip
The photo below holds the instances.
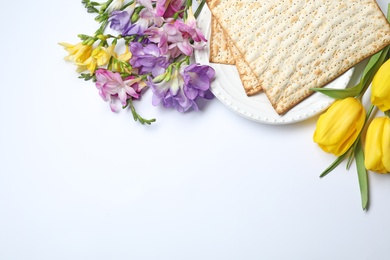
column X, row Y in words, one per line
column 338, row 128
column 380, row 88
column 377, row 146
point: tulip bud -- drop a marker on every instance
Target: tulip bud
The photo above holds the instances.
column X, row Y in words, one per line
column 380, row 88
column 338, row 128
column 377, row 146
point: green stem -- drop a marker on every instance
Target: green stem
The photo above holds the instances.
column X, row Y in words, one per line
column 126, row 5
column 199, row 9
column 136, row 116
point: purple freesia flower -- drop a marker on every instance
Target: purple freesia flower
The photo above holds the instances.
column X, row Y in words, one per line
column 119, row 20
column 184, row 87
column 148, row 59
column 197, row 81
column 112, row 87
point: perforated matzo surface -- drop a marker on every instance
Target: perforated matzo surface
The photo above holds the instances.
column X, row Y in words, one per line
column 293, row 46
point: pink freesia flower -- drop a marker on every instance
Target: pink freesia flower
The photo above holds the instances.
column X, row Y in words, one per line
column 146, row 3
column 151, row 17
column 189, row 29
column 112, row 87
column 167, row 8
column 169, row 38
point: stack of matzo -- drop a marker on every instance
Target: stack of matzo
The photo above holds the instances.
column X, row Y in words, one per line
column 287, row 47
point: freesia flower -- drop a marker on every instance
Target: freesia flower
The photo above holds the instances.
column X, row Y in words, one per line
column 146, row 3
column 100, row 56
column 77, row 53
column 189, row 28
column 182, row 88
column 167, row 8
column 112, row 87
column 119, row 20
column 380, row 88
column 126, row 55
column 377, row 146
column 170, row 40
column 122, row 21
column 338, row 128
column 148, row 58
column 149, row 15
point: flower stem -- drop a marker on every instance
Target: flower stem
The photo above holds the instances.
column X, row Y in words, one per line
column 199, row 9
column 136, row 116
column 126, row 5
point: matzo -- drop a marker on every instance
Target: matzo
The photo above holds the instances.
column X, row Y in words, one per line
column 248, row 78
column 293, row 46
column 219, row 48
column 223, row 51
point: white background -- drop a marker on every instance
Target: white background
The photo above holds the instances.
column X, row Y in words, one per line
column 80, row 182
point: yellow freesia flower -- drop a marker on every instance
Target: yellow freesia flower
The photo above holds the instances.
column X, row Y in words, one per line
column 121, row 63
column 126, row 55
column 338, row 128
column 377, row 146
column 380, row 88
column 103, row 55
column 78, row 53
column 100, row 56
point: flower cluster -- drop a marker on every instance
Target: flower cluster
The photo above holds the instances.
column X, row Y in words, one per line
column 346, row 129
column 157, row 39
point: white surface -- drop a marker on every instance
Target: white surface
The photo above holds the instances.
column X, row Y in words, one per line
column 227, row 87
column 79, row 182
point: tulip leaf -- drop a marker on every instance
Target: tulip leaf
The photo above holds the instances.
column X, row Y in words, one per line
column 339, row 93
column 373, row 66
column 333, row 165
column 351, row 156
column 362, row 174
column 388, row 13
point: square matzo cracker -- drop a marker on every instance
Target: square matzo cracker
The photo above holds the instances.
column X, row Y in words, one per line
column 295, row 45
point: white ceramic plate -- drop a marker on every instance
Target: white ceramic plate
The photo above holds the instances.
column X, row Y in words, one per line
column 227, row 87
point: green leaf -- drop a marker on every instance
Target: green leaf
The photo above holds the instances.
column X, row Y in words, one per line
column 339, row 93
column 362, row 174
column 333, row 165
column 372, row 67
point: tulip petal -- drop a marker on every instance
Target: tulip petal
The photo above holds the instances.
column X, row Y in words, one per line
column 386, row 144
column 373, row 146
column 338, row 128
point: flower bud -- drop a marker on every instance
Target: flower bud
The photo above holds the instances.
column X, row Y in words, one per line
column 338, row 128
column 380, row 88
column 377, row 146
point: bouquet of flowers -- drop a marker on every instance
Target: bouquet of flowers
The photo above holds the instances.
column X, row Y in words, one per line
column 157, row 39
column 347, row 130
